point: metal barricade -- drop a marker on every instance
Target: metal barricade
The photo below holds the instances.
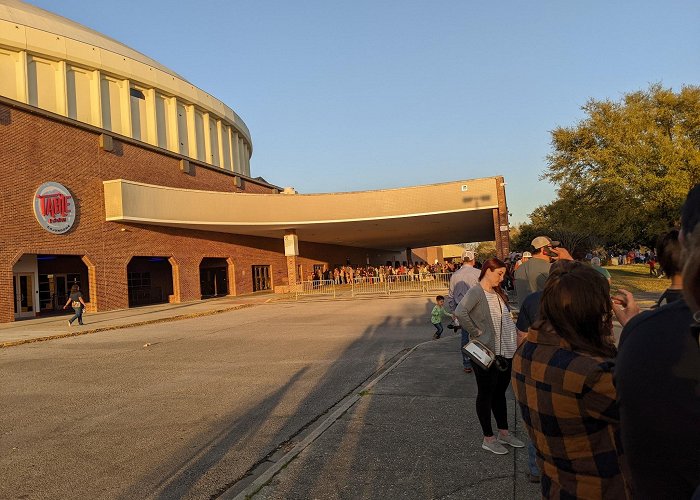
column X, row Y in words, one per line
column 368, row 286
column 316, row 287
column 437, row 282
column 405, row 283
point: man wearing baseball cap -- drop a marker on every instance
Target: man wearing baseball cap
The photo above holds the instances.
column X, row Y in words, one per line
column 531, row 275
column 461, row 281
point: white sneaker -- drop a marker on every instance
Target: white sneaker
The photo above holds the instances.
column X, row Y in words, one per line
column 511, row 440
column 494, row 447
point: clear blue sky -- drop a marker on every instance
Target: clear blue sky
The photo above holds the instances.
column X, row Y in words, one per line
column 371, row 94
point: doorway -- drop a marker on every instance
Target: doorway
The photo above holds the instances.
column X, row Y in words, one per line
column 23, row 286
column 149, row 280
column 213, row 277
column 261, row 278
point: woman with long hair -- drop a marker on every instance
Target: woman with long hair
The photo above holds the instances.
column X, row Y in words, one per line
column 563, row 382
column 485, row 315
column 78, row 303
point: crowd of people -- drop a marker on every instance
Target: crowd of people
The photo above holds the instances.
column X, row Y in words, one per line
column 583, row 398
column 343, row 275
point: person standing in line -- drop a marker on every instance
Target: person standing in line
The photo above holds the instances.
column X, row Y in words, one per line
column 461, row 281
column 526, row 256
column 76, row 299
column 485, row 314
column 532, row 274
column 657, row 376
column 563, row 382
column 668, row 249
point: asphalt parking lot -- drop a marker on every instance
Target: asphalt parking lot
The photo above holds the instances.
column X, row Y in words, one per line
column 185, row 409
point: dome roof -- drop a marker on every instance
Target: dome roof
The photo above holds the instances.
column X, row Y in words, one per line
column 25, row 14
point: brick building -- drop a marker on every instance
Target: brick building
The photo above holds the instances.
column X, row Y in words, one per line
column 122, row 177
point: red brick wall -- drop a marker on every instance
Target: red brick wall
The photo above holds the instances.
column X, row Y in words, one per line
column 35, row 149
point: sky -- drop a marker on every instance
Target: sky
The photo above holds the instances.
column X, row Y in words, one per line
column 376, row 94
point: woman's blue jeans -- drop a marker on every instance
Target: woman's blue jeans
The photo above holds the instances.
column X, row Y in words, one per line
column 78, row 315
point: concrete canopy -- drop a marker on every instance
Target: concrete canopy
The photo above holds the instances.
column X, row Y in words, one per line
column 392, row 219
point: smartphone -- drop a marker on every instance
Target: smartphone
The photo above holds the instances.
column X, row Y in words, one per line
column 550, row 253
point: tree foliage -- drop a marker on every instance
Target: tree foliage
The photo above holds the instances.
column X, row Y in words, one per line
column 623, row 172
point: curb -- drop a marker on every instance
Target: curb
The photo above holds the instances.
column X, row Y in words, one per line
column 253, row 488
column 121, row 327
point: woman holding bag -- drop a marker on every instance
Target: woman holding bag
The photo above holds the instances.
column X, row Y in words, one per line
column 484, row 313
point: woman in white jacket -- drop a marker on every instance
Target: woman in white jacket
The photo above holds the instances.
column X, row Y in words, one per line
column 484, row 313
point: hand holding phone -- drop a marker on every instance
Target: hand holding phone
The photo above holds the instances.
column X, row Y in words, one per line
column 624, row 306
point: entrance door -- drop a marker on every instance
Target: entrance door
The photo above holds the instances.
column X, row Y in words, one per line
column 24, row 295
column 261, row 278
column 60, row 292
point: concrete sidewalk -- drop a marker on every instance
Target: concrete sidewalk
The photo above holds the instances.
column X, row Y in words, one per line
column 53, row 327
column 415, row 434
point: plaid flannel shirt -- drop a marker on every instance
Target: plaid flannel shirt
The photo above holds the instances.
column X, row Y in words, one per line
column 569, row 406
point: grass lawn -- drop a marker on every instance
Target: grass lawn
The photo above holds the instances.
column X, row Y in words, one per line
column 635, row 278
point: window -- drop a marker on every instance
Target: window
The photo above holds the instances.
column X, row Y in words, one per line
column 80, row 94
column 138, row 114
column 43, row 84
column 111, row 105
column 199, row 135
column 261, row 278
column 163, row 120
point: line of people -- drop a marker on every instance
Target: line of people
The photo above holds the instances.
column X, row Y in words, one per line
column 419, row 271
column 583, row 399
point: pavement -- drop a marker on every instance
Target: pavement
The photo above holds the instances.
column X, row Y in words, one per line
column 56, row 326
column 410, row 432
column 413, row 435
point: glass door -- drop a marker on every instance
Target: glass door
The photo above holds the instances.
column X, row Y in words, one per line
column 24, row 295
column 261, row 278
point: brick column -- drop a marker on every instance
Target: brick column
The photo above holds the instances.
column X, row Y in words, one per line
column 291, row 252
column 501, row 229
column 7, row 307
column 292, row 277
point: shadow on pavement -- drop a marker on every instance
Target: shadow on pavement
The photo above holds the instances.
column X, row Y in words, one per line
column 186, row 478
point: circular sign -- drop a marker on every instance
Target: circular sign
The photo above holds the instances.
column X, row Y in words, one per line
column 54, row 208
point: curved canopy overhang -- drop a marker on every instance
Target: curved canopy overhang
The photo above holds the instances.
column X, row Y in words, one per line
column 391, row 219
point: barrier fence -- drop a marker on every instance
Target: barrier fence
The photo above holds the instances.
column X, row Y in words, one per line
column 388, row 285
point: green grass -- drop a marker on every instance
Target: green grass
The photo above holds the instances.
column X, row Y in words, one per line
column 635, row 278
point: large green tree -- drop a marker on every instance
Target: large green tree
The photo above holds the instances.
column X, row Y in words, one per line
column 623, row 171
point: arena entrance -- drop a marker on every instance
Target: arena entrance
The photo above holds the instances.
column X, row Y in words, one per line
column 42, row 283
column 150, row 280
column 213, row 277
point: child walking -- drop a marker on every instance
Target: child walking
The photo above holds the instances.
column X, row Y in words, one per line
column 437, row 315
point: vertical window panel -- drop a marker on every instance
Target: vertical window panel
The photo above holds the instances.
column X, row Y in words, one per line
column 214, row 142
column 199, row 135
column 9, row 63
column 111, row 105
column 42, row 82
column 162, row 120
column 138, row 114
column 182, row 129
column 79, row 89
column 226, row 146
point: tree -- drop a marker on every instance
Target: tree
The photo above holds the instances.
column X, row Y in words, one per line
column 623, row 171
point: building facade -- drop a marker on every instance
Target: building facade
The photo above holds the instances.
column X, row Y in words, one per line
column 87, row 126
